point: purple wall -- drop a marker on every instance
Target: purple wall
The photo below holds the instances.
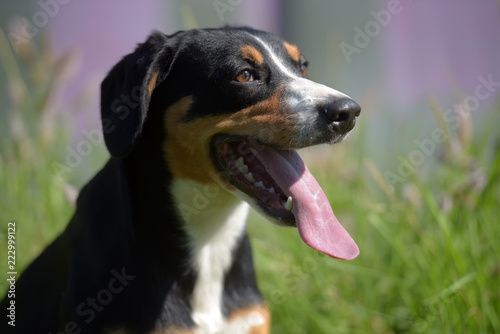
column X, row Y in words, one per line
column 438, row 47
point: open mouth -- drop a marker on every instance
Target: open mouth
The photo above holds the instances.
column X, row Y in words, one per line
column 279, row 184
column 235, row 157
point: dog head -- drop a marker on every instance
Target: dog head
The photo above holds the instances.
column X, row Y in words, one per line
column 230, row 106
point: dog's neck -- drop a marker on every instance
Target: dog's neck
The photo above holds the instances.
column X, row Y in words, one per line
column 215, row 223
column 195, row 235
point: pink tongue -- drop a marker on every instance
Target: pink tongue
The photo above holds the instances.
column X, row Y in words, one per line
column 318, row 226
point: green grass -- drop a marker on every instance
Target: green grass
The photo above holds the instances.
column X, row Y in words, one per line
column 430, row 248
column 429, row 254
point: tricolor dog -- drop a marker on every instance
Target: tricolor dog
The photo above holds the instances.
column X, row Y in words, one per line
column 201, row 125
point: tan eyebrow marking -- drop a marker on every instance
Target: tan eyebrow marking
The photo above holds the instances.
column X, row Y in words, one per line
column 251, row 53
column 152, row 83
column 293, row 51
column 275, row 59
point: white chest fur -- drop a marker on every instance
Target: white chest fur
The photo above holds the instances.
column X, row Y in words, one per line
column 215, row 220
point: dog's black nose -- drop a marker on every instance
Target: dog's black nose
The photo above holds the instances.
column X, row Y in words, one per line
column 342, row 112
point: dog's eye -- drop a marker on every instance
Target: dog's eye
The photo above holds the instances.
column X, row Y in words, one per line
column 245, row 76
column 303, row 69
column 303, row 65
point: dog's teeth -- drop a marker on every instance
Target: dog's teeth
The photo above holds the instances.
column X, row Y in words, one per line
column 249, row 177
column 259, row 184
column 271, row 190
column 288, row 205
column 243, row 168
column 240, row 164
column 239, row 161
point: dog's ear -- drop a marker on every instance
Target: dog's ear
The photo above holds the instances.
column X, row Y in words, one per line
column 126, row 91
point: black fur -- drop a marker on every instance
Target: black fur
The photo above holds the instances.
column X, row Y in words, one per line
column 125, row 244
column 125, row 219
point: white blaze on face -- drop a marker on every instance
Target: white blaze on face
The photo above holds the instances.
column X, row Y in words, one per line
column 306, row 98
column 303, row 97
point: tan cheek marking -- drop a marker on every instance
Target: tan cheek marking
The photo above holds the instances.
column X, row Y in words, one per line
column 293, row 51
column 263, row 328
column 251, row 53
column 187, row 146
column 152, row 83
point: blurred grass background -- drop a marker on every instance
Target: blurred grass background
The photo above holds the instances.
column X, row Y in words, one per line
column 430, row 247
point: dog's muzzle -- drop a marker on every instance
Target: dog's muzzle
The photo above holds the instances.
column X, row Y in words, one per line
column 342, row 113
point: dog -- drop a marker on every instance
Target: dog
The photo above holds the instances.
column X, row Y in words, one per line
column 200, row 125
